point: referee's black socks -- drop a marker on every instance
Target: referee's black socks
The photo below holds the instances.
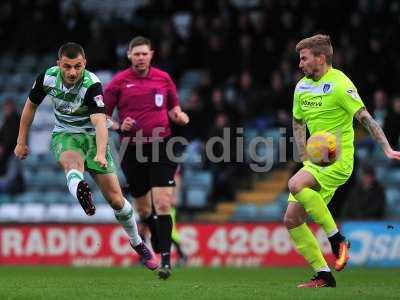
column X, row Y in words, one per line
column 151, row 221
column 165, row 231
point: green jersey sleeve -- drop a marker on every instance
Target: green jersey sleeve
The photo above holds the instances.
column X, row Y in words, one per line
column 348, row 97
column 297, row 112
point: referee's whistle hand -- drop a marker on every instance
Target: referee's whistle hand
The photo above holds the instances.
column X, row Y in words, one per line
column 127, row 124
column 101, row 161
column 180, row 118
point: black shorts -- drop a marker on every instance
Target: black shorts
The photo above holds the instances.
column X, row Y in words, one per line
column 142, row 176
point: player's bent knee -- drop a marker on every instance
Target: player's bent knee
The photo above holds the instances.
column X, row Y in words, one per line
column 143, row 211
column 70, row 161
column 163, row 203
column 294, row 186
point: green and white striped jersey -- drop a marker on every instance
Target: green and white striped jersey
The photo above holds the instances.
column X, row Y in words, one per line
column 72, row 106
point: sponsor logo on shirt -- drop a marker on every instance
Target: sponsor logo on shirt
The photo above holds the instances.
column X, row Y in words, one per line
column 312, row 103
column 353, row 94
column 159, row 100
column 99, row 100
column 65, row 108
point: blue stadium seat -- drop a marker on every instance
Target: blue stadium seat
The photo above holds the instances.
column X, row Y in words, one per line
column 57, row 212
column 5, row 198
column 270, row 212
column 197, row 186
column 392, row 197
column 194, row 154
column 392, row 177
column 29, row 197
column 245, row 212
column 196, row 197
column 10, row 212
column 33, row 212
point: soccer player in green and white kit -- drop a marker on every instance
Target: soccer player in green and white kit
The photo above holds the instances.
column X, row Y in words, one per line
column 324, row 100
column 80, row 137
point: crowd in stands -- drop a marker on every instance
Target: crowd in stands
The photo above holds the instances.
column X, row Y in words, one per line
column 243, row 53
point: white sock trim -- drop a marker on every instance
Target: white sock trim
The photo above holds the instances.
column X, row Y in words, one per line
column 324, row 269
column 73, row 178
column 126, row 217
column 333, row 232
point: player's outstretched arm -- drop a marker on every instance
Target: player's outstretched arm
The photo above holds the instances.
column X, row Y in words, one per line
column 300, row 135
column 364, row 117
column 99, row 121
column 21, row 150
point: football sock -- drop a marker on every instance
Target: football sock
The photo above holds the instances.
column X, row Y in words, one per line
column 165, row 228
column 317, row 209
column 126, row 218
column 73, row 178
column 178, row 247
column 308, row 247
column 152, row 222
column 175, row 234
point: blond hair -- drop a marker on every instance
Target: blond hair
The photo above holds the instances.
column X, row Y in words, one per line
column 318, row 44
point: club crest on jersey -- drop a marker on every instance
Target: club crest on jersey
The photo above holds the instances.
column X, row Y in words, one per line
column 159, row 100
column 353, row 94
column 326, row 88
column 99, row 100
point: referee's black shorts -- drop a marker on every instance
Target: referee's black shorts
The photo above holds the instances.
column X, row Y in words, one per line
column 142, row 176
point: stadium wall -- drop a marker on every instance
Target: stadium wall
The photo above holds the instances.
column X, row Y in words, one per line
column 235, row 244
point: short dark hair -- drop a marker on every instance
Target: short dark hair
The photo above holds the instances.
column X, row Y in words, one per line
column 71, row 50
column 139, row 41
column 318, row 44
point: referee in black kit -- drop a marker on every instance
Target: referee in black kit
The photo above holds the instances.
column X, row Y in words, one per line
column 146, row 99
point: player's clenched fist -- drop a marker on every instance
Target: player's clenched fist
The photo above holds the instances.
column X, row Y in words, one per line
column 128, row 124
column 101, row 160
column 181, row 118
column 21, row 151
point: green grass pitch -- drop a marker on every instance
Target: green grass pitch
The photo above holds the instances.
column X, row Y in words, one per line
column 191, row 283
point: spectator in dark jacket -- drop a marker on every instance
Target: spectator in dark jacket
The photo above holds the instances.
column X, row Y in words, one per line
column 11, row 180
column 367, row 200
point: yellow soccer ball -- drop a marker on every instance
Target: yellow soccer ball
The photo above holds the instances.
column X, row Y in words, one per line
column 321, row 148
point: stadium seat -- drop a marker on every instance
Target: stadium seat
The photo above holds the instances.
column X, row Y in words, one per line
column 104, row 214
column 76, row 214
column 392, row 197
column 32, row 212
column 270, row 212
column 57, row 213
column 245, row 212
column 194, row 155
column 196, row 197
column 29, row 197
column 5, row 198
column 10, row 212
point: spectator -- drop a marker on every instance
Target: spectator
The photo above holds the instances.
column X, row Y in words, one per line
column 367, row 200
column 392, row 124
column 11, row 180
column 380, row 107
column 8, row 130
